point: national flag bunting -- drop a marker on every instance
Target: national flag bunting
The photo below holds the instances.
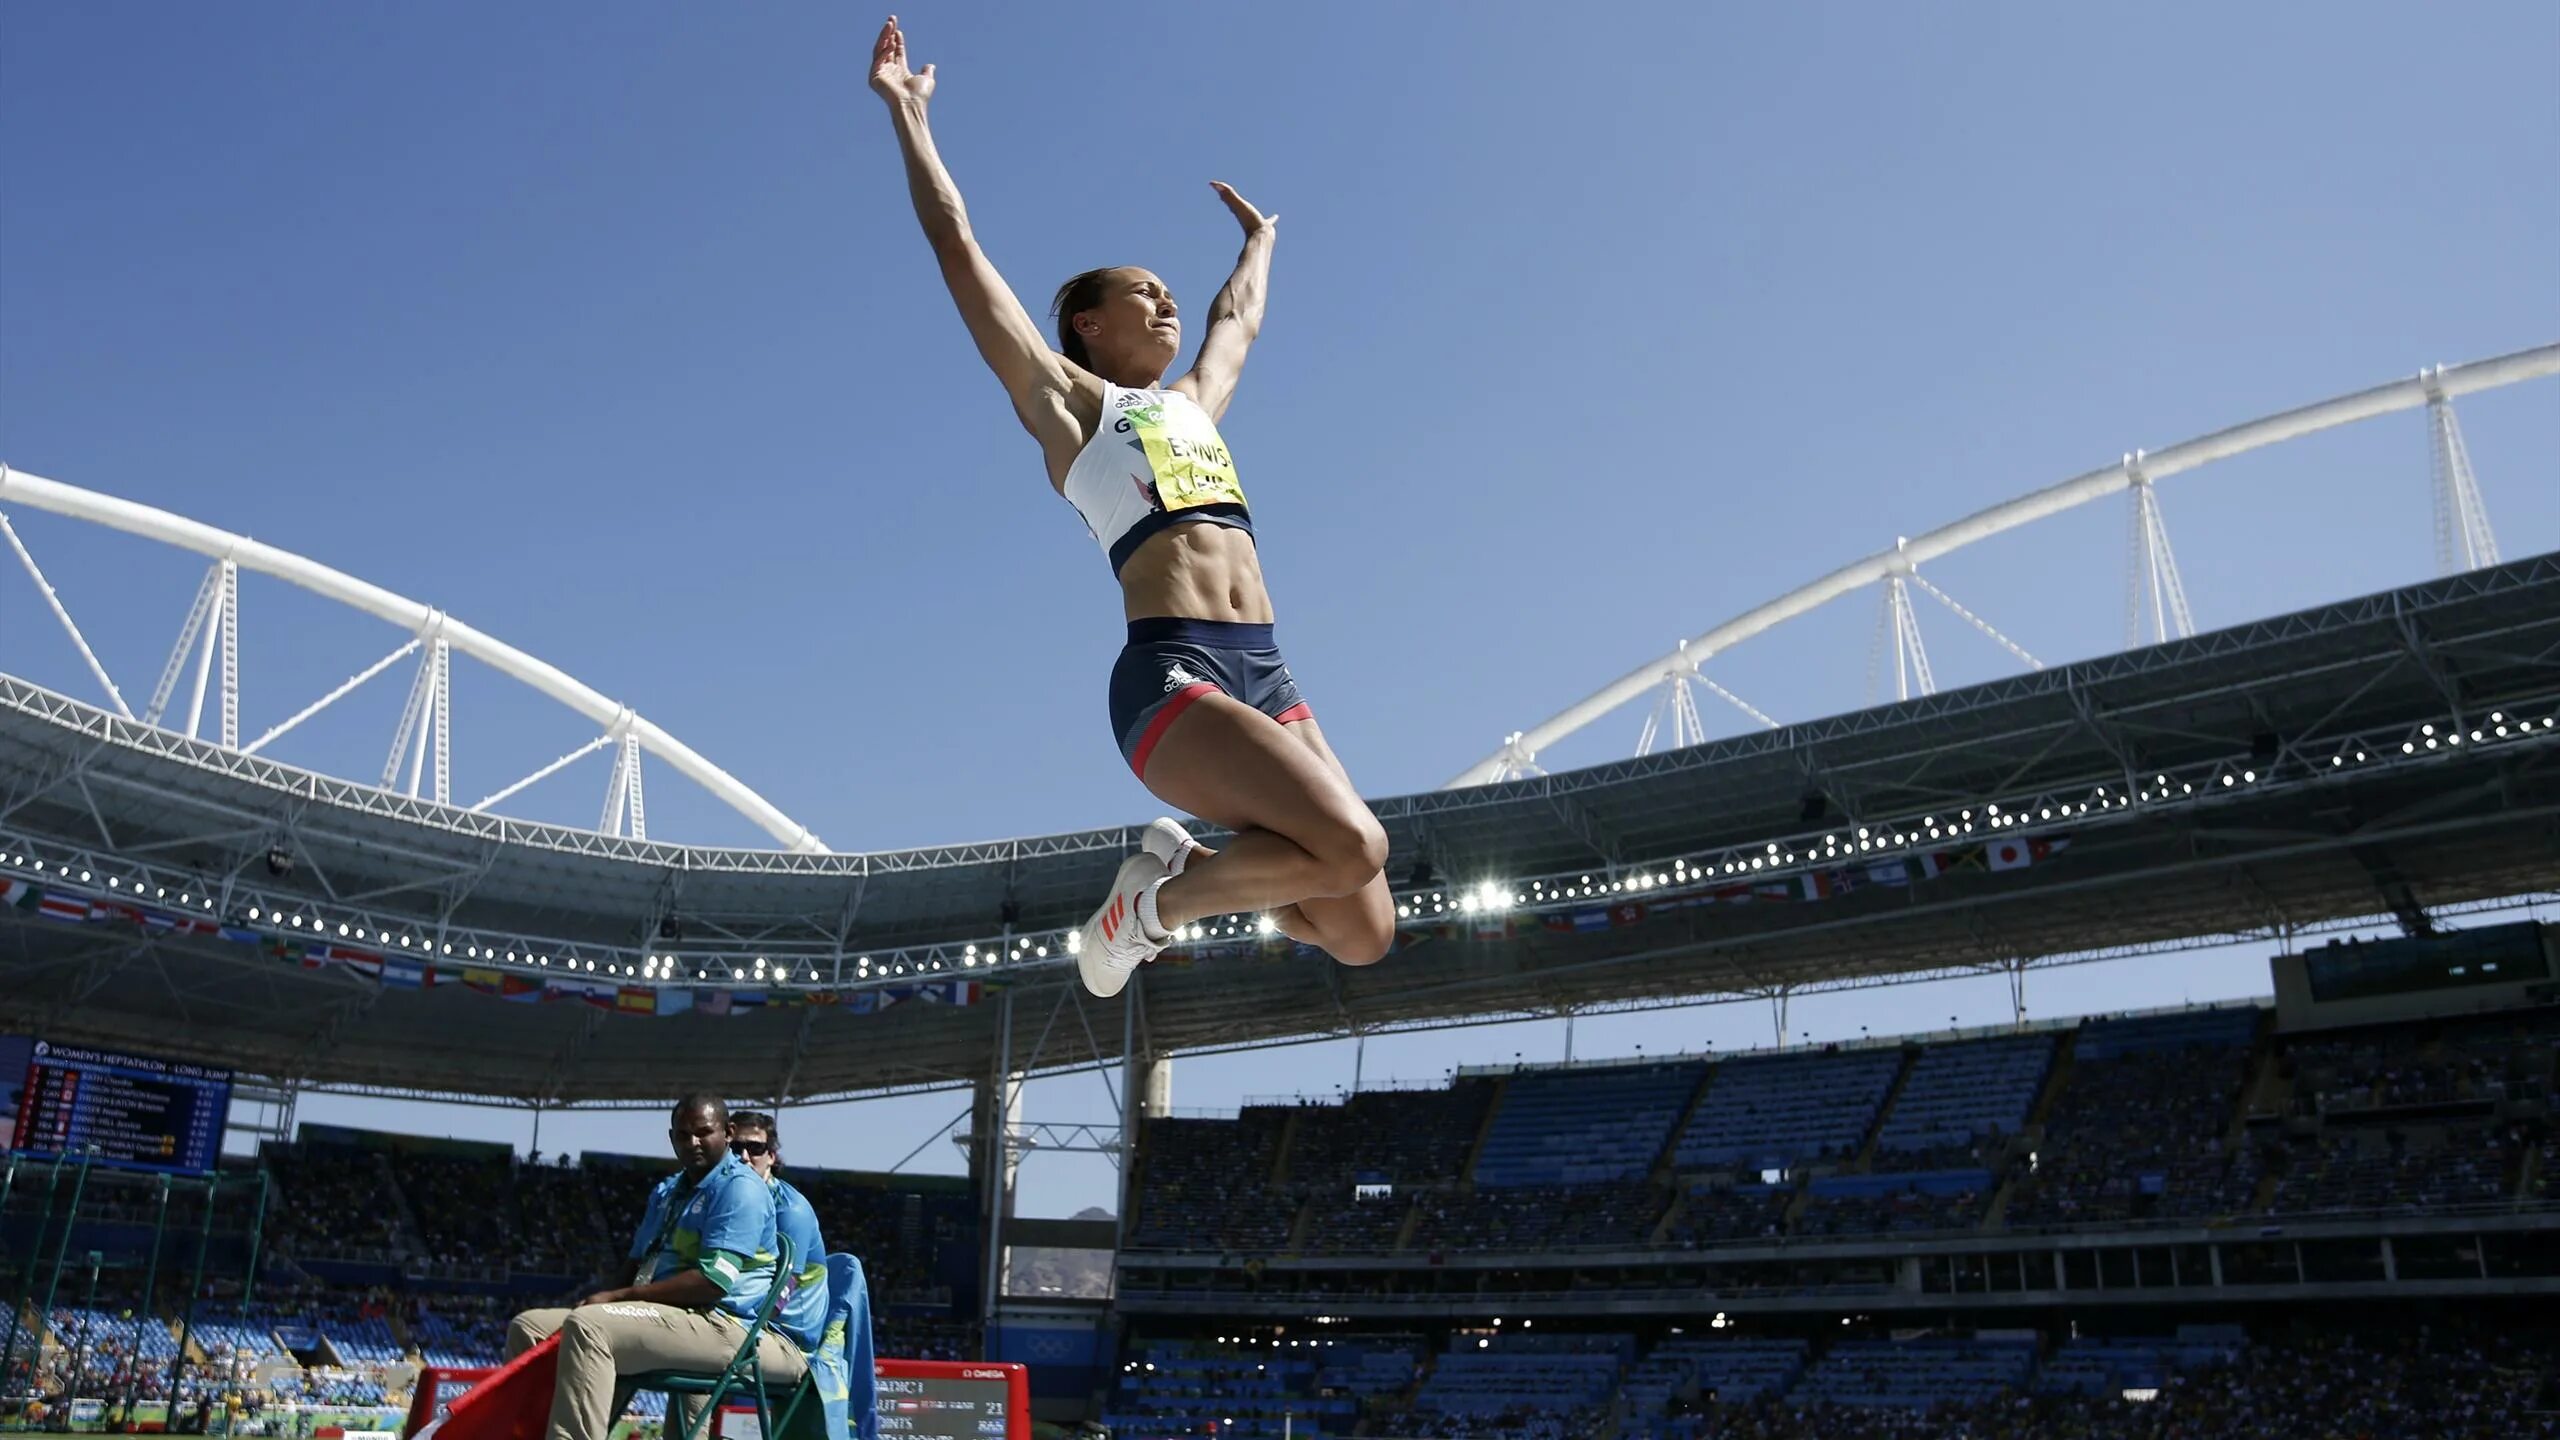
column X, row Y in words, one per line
column 2023, row 851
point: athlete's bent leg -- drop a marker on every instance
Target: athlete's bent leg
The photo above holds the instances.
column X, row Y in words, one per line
column 1358, row 928
column 1300, row 830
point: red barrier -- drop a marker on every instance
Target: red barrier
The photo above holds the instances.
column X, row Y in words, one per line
column 512, row 1402
column 919, row 1399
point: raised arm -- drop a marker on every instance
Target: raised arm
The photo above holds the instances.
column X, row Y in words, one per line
column 1039, row 380
column 1235, row 317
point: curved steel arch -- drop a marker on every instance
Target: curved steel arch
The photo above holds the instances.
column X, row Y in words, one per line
column 19, row 487
column 2408, row 394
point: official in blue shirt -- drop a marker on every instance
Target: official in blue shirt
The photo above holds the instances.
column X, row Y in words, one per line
column 756, row 1139
column 701, row 1263
column 828, row 1310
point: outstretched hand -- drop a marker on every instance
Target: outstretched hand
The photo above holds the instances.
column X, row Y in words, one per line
column 889, row 73
column 1253, row 221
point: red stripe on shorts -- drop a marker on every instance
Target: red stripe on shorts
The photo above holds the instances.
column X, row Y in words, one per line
column 1174, row 705
column 1295, row 713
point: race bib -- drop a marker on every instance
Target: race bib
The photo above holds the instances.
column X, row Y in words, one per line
column 1187, row 460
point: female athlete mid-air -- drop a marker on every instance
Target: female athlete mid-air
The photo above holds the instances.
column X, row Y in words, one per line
column 1203, row 706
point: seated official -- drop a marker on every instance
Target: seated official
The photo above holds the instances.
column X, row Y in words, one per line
column 757, row 1140
column 702, row 1262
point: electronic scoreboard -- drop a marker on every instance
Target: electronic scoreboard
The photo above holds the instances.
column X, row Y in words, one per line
column 137, row 1113
column 954, row 1400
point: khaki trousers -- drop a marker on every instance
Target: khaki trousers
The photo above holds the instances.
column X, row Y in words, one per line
column 601, row 1344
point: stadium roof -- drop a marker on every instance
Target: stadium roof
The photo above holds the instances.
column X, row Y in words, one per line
column 2134, row 763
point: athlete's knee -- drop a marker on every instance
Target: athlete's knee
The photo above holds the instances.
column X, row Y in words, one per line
column 1366, row 948
column 1350, row 855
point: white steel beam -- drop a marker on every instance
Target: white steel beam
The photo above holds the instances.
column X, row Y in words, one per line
column 20, row 488
column 230, row 655
column 2464, row 540
column 1978, row 623
column 638, row 813
column 410, row 710
column 2151, row 576
column 325, row 701
column 2386, row 399
column 207, row 596
column 444, row 722
column 617, row 791
column 547, row 771
column 35, row 572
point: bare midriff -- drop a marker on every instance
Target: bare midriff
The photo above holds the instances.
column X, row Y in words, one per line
column 1198, row 571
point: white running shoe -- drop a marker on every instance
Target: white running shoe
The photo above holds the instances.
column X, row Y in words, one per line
column 1169, row 843
column 1114, row 943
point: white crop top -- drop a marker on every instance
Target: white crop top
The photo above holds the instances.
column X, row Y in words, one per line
column 1155, row 461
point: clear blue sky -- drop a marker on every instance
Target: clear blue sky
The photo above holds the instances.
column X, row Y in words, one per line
column 607, row 329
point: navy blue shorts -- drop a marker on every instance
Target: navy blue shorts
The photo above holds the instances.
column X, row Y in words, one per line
column 1169, row 662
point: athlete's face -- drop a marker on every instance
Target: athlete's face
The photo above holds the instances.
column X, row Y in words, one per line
column 1136, row 325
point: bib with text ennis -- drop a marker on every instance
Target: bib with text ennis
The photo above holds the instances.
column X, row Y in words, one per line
column 1189, row 461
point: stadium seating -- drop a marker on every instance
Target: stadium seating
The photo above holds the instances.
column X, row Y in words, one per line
column 1919, row 1374
column 1577, row 1127
column 1207, row 1185
column 1958, row 1094
column 898, row 1233
column 1845, row 1205
column 2414, row 1169
column 462, row 1209
column 335, row 1202
column 1541, row 1217
column 2138, row 1128
column 1747, row 1211
column 1177, row 1390
column 1403, row 1140
column 456, row 1332
column 1485, row 1383
column 1777, row 1111
column 2091, row 1366
column 225, row 1332
column 554, row 1229
column 1732, row 1372
column 1371, row 1366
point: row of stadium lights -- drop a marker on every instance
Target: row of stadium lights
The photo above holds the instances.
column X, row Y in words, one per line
column 1490, row 897
column 1495, row 896
column 186, row 899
